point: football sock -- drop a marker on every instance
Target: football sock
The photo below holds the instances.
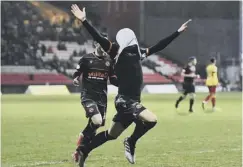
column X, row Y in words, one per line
column 80, row 139
column 97, row 141
column 179, row 100
column 140, row 129
column 88, row 133
column 213, row 101
column 191, row 103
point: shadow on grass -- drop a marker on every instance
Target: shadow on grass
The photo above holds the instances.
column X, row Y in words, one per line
column 183, row 113
column 208, row 111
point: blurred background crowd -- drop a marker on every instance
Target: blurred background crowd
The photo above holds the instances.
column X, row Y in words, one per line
column 41, row 42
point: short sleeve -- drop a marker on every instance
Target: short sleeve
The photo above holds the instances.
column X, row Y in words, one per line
column 215, row 69
column 79, row 68
column 80, row 65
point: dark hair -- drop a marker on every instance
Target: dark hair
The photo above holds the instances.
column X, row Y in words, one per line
column 212, row 60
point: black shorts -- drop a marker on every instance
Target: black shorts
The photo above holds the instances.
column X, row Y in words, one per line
column 127, row 110
column 188, row 88
column 92, row 108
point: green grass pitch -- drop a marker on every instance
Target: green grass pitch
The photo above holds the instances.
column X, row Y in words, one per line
column 42, row 131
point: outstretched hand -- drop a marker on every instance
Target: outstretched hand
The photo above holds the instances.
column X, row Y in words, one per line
column 184, row 26
column 81, row 15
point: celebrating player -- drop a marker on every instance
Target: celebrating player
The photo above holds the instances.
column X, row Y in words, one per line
column 211, row 82
column 96, row 68
column 128, row 69
column 189, row 73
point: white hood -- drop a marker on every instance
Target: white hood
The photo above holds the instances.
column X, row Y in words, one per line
column 126, row 37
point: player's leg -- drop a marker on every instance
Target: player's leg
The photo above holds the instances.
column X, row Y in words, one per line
column 191, row 91
column 206, row 100
column 90, row 130
column 95, row 121
column 120, row 123
column 192, row 98
column 182, row 97
column 213, row 95
column 113, row 133
column 145, row 121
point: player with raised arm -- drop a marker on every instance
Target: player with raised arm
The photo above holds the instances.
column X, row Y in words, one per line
column 211, row 82
column 128, row 69
column 96, row 68
column 189, row 74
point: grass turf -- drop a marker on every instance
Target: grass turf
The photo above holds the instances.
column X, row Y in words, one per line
column 42, row 131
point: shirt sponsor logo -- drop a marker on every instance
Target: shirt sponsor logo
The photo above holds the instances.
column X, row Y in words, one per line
column 98, row 75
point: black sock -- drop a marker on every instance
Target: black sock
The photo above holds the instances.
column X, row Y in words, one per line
column 89, row 132
column 140, row 129
column 179, row 100
column 97, row 141
column 191, row 103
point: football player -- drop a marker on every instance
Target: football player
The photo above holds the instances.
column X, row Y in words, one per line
column 211, row 82
column 189, row 74
column 96, row 68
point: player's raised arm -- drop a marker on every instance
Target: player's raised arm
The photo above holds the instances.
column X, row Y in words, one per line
column 166, row 41
column 81, row 15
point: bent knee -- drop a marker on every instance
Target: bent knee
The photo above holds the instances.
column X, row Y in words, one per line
column 97, row 120
column 148, row 116
column 192, row 95
column 155, row 119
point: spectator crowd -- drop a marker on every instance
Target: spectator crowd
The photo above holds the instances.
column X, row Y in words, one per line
column 23, row 28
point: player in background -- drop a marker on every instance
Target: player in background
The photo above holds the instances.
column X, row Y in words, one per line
column 189, row 74
column 128, row 69
column 211, row 83
column 95, row 68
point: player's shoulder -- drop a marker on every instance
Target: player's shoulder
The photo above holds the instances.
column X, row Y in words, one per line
column 84, row 56
column 87, row 56
column 214, row 66
column 90, row 55
column 186, row 67
column 209, row 66
column 109, row 61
